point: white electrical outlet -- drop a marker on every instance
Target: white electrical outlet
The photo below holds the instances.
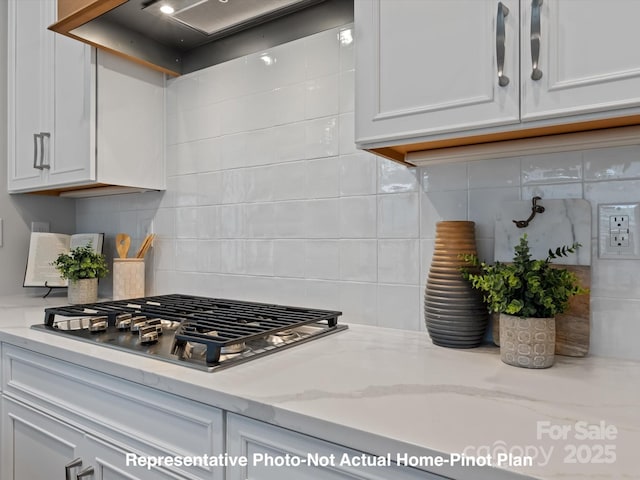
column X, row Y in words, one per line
column 619, row 231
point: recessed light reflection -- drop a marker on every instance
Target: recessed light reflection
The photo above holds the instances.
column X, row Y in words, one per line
column 167, row 9
column 267, row 59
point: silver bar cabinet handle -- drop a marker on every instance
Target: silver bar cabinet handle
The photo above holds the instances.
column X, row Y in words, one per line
column 35, row 151
column 72, row 464
column 42, row 135
column 85, row 473
column 536, row 73
column 503, row 11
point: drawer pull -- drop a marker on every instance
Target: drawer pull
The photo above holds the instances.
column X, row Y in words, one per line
column 72, row 464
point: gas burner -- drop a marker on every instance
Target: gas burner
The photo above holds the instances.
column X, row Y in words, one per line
column 199, row 332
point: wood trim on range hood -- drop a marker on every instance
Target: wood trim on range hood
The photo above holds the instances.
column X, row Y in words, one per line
column 75, row 13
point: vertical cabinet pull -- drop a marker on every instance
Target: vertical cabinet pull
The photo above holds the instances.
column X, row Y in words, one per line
column 42, row 151
column 35, row 151
column 72, row 464
column 85, row 473
column 503, row 11
column 536, row 73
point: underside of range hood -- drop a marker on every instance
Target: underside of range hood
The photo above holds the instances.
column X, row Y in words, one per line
column 198, row 33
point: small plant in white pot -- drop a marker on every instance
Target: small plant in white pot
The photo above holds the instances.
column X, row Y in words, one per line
column 527, row 294
column 82, row 266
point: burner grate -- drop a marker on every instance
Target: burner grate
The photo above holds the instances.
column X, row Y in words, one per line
column 211, row 322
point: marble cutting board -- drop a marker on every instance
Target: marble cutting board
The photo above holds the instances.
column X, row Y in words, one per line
column 562, row 223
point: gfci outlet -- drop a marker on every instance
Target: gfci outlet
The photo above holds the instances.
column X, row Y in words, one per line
column 619, row 231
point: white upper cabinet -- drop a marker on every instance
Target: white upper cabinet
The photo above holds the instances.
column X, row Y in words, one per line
column 431, row 67
column 74, row 121
column 442, row 73
column 588, row 56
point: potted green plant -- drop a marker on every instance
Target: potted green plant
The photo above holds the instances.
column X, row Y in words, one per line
column 82, row 266
column 527, row 294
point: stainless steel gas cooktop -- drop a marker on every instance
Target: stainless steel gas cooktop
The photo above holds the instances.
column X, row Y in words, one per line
column 199, row 332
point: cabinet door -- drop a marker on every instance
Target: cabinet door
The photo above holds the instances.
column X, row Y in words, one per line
column 29, row 88
column 110, row 463
column 588, row 57
column 73, row 145
column 430, row 67
column 34, row 445
column 264, row 445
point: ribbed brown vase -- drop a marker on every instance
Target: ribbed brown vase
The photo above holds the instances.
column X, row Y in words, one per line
column 454, row 312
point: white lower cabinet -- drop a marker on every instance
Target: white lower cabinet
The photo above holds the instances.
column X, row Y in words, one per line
column 274, row 453
column 44, row 447
column 54, row 412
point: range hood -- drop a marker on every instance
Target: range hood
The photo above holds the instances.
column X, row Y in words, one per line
column 181, row 36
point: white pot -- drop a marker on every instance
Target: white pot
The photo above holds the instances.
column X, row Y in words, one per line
column 527, row 342
column 84, row 290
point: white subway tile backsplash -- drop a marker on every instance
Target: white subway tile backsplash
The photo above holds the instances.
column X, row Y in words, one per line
column 234, row 186
column 503, row 172
column 347, row 137
column 268, row 200
column 437, row 206
column 186, row 255
column 347, row 91
column 347, row 52
column 322, row 178
column 290, row 142
column 209, row 188
column 322, row 96
column 209, row 225
column 398, row 306
column 358, row 302
column 359, row 260
column 209, row 256
column 437, row 178
column 552, row 168
column 322, row 138
column 187, row 222
column 322, row 53
column 289, row 219
column 322, row 259
column 289, row 258
column 358, row 217
column 399, row 261
column 184, row 189
column 394, row 177
column 232, row 258
column 232, row 221
column 397, row 215
column 259, row 220
column 612, row 163
column 258, row 257
column 555, row 190
column 322, row 218
column 358, row 174
column 613, row 323
column 289, row 180
column 483, row 205
column 289, row 104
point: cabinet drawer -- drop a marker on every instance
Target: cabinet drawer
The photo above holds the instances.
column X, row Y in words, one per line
column 151, row 421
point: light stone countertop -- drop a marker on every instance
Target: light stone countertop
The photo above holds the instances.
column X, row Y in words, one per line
column 391, row 391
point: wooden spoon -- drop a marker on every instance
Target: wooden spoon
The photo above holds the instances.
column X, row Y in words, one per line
column 146, row 244
column 123, row 242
